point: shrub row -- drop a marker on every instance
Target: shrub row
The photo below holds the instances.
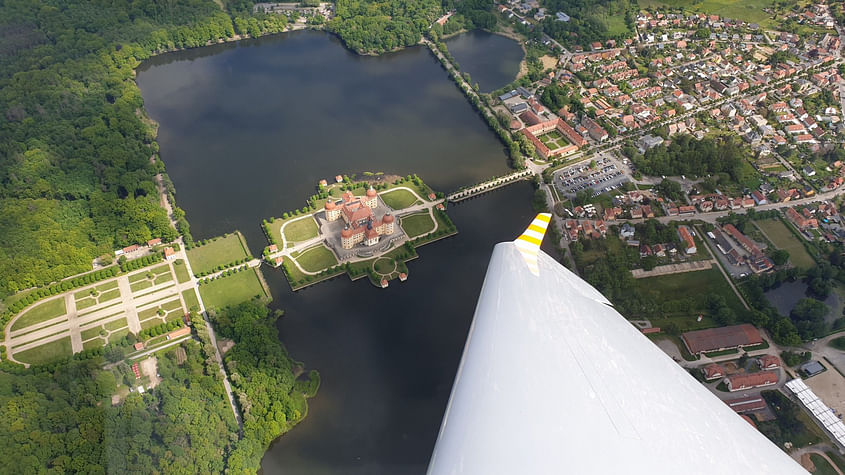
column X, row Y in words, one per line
column 224, row 266
column 224, row 274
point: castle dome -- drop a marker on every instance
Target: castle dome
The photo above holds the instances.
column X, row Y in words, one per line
column 346, row 233
column 387, row 219
column 330, row 205
column 371, row 193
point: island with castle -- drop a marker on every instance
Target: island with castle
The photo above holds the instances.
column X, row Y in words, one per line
column 364, row 228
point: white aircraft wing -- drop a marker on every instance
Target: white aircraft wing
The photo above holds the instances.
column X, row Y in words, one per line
column 554, row 381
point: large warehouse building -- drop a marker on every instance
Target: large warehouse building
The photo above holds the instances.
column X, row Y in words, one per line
column 724, row 338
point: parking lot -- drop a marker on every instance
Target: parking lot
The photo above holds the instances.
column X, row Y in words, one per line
column 606, row 176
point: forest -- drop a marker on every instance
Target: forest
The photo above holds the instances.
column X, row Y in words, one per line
column 378, row 26
column 77, row 154
column 60, row 417
column 590, row 21
column 688, row 156
column 78, row 161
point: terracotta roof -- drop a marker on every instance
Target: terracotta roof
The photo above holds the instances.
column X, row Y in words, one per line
column 752, row 380
column 713, row 371
column 714, row 339
column 769, row 361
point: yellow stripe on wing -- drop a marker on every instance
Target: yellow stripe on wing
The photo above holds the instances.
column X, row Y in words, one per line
column 529, row 241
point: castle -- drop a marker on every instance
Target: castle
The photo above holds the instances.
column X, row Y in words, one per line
column 361, row 224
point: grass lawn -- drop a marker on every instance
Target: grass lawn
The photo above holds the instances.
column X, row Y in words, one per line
column 109, row 295
column 112, row 284
column 148, row 313
column 191, row 299
column 46, row 353
column 139, row 276
column 82, row 294
column 41, row 313
column 151, row 322
column 181, row 271
column 384, row 265
column 316, row 259
column 301, row 229
column 91, row 333
column 838, row 343
column 782, row 238
column 174, row 315
column 141, row 285
column 163, row 278
column 672, row 287
column 217, row 253
column 85, row 303
column 417, row 224
column 117, row 335
column 116, row 324
column 232, row 290
column 837, row 459
column 748, row 10
column 684, row 322
column 95, row 343
column 398, row 199
column 822, row 465
column 162, row 269
column 171, row 305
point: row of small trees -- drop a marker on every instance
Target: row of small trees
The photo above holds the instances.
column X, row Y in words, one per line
column 161, row 329
column 224, row 274
column 134, row 264
column 234, row 263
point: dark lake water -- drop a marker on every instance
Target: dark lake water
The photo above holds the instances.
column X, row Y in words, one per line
column 491, row 60
column 786, row 296
column 246, row 132
column 248, row 129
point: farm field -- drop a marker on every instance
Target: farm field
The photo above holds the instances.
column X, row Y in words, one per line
column 782, row 238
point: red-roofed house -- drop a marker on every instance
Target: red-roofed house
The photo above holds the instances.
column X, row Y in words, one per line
column 769, row 362
column 739, row 382
column 713, row 371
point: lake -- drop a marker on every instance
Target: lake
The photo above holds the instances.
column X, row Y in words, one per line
column 248, row 129
column 786, row 296
column 491, row 60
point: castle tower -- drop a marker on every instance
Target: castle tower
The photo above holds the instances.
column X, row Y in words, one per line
column 347, row 239
column 332, row 210
column 387, row 222
column 372, row 198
